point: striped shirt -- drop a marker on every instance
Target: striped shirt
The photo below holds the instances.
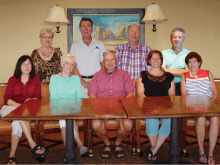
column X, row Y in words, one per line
column 132, row 62
column 198, row 85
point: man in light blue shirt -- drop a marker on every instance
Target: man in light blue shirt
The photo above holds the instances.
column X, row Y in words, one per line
column 174, row 58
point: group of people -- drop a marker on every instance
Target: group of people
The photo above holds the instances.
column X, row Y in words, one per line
column 89, row 71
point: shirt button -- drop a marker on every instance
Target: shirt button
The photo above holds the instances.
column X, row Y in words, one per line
column 111, row 81
column 110, row 91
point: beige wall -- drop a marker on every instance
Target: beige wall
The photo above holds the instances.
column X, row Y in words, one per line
column 21, row 21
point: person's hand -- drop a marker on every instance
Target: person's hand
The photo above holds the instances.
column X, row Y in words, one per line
column 86, row 84
column 29, row 99
column 164, row 68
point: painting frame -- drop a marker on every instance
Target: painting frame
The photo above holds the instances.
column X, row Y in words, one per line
column 72, row 11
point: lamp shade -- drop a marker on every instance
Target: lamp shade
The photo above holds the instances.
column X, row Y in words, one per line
column 154, row 13
column 57, row 14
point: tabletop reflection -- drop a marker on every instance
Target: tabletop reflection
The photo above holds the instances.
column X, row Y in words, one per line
column 65, row 106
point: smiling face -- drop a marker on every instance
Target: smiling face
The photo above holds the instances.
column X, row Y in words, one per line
column 134, row 33
column 46, row 39
column 193, row 65
column 155, row 61
column 86, row 29
column 68, row 65
column 26, row 67
column 177, row 39
column 109, row 62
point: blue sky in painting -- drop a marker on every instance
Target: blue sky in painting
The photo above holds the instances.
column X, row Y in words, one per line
column 113, row 21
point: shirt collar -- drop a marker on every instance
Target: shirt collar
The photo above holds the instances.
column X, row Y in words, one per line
column 81, row 41
column 113, row 73
column 182, row 51
column 128, row 46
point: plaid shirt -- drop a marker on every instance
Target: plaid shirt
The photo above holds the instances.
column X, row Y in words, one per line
column 132, row 62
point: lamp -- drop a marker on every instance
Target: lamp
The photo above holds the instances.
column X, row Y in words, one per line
column 57, row 15
column 154, row 14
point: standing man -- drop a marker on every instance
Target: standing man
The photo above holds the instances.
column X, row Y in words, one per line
column 174, row 58
column 88, row 53
column 131, row 56
column 111, row 82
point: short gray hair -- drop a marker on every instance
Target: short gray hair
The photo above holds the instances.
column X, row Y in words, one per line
column 68, row 57
column 109, row 51
column 177, row 29
column 46, row 30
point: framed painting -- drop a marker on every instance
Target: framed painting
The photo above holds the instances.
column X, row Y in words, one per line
column 109, row 25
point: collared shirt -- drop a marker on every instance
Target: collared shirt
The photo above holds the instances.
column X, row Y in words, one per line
column 173, row 61
column 19, row 92
column 117, row 84
column 88, row 58
column 132, row 62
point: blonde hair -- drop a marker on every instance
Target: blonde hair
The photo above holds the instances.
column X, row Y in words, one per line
column 68, row 57
column 46, row 30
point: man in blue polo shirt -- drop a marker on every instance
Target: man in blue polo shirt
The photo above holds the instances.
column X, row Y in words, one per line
column 174, row 58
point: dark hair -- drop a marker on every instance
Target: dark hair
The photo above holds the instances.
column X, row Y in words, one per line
column 17, row 72
column 193, row 55
column 151, row 54
column 85, row 19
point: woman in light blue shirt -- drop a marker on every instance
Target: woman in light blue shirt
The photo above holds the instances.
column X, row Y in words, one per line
column 65, row 85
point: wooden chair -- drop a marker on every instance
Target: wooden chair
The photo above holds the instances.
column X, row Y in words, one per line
column 47, row 127
column 189, row 124
column 38, row 128
column 5, row 126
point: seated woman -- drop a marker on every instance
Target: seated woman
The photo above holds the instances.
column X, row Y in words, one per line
column 66, row 85
column 200, row 82
column 23, row 86
column 156, row 82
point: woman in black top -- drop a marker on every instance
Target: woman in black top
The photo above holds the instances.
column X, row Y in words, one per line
column 156, row 82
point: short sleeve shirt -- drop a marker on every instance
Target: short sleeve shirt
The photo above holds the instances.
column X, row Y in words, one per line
column 117, row 84
column 173, row 61
column 88, row 58
column 132, row 62
column 45, row 69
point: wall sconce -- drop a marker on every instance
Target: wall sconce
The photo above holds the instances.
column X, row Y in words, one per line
column 57, row 15
column 154, row 14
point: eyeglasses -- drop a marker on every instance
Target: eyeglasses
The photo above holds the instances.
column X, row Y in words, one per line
column 23, row 64
column 107, row 60
column 50, row 37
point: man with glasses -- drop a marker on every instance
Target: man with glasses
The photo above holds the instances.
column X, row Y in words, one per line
column 111, row 82
column 131, row 56
column 88, row 53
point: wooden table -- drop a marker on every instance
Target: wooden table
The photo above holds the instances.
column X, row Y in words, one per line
column 171, row 107
column 68, row 109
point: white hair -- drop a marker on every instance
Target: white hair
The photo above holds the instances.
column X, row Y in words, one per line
column 68, row 57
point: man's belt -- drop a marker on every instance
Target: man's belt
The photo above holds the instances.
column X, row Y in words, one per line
column 87, row 77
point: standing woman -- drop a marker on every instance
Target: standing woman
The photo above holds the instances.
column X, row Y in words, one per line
column 156, row 82
column 200, row 82
column 46, row 59
column 65, row 85
column 23, row 86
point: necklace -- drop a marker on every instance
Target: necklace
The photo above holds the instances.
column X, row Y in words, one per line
column 46, row 54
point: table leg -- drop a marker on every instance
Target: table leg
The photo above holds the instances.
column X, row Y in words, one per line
column 70, row 152
column 174, row 144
